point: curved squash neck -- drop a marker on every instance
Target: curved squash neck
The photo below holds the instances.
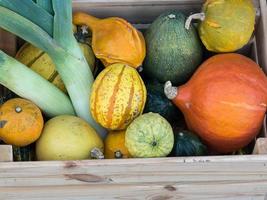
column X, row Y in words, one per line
column 182, row 99
column 85, row 19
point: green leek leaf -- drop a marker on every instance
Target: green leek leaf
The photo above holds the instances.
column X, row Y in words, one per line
column 47, row 5
column 27, row 30
column 32, row 12
column 63, row 32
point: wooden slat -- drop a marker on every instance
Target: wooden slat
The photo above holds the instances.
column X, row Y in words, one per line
column 260, row 146
column 222, row 177
column 167, row 191
column 6, row 154
column 137, row 11
column 7, row 42
column 261, row 39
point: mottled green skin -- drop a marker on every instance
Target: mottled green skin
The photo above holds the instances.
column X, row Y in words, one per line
column 187, row 144
column 158, row 103
column 173, row 53
column 149, row 135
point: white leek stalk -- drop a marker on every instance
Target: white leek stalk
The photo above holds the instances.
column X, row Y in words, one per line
column 26, row 83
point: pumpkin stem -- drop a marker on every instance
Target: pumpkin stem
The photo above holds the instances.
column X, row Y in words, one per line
column 169, row 90
column 118, row 154
column 84, row 29
column 18, row 109
column 81, row 19
column 199, row 16
column 96, row 153
column 140, row 69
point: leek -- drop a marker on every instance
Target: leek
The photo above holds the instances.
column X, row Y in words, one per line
column 47, row 5
column 36, row 15
column 26, row 83
column 60, row 45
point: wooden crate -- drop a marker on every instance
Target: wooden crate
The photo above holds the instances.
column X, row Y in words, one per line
column 211, row 177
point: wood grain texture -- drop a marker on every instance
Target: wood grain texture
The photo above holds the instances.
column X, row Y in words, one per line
column 260, row 146
column 221, row 177
column 6, row 153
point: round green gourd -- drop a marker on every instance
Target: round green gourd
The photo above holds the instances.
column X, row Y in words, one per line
column 149, row 135
column 173, row 53
column 158, row 103
column 187, row 144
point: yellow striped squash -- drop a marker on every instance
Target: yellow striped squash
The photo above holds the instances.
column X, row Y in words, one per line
column 41, row 63
column 118, row 97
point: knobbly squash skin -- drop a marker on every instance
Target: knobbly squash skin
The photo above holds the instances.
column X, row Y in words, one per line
column 149, row 135
column 228, row 24
column 118, row 96
column 114, row 40
column 225, row 101
column 173, row 53
column 21, row 122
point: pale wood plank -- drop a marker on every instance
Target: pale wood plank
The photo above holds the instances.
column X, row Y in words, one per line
column 6, row 153
column 224, row 168
column 166, row 191
column 260, row 146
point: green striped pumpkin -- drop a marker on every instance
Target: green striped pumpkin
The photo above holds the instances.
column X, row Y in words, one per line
column 118, row 96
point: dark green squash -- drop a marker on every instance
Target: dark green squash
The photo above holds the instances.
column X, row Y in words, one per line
column 24, row 153
column 173, row 53
column 187, row 144
column 157, row 102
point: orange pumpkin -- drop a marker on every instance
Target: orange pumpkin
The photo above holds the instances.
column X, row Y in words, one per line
column 114, row 40
column 21, row 122
column 224, row 102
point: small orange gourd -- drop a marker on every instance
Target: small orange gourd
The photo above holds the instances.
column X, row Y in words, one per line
column 115, row 145
column 114, row 40
column 21, row 122
column 224, row 102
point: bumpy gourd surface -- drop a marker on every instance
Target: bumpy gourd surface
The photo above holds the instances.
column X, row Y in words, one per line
column 173, row 53
column 118, row 96
column 228, row 24
column 149, row 135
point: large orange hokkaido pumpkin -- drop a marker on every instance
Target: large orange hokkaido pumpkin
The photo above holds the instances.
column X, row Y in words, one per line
column 224, row 102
